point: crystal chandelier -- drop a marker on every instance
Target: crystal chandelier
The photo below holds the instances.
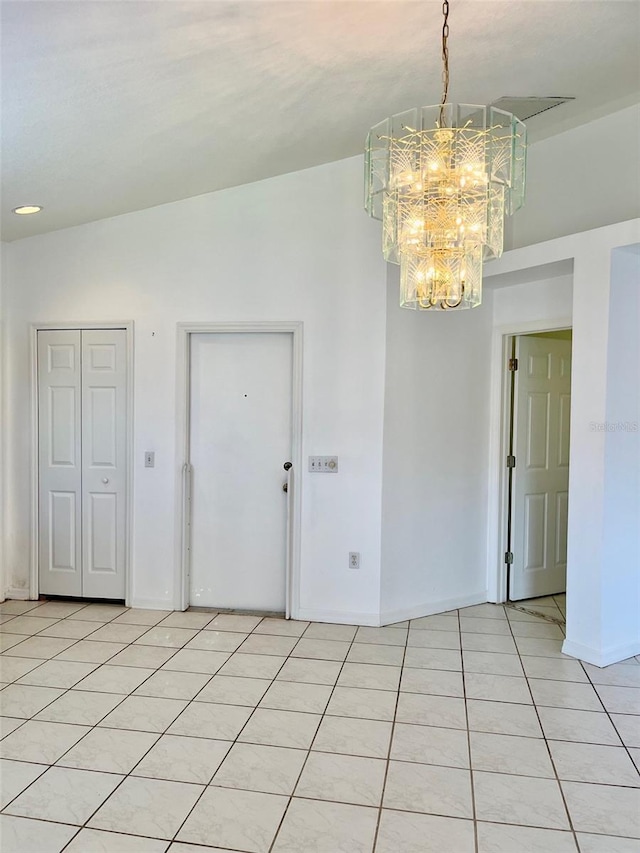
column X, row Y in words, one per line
column 441, row 179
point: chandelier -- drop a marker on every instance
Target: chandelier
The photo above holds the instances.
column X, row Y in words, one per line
column 441, row 179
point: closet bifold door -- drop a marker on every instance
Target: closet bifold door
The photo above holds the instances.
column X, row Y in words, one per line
column 104, row 400
column 59, row 463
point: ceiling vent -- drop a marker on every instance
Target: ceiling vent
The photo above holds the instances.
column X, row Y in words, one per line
column 528, row 107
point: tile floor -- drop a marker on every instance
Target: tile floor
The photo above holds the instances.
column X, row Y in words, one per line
column 136, row 731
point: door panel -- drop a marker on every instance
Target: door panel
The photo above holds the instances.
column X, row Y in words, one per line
column 541, row 474
column 104, row 402
column 240, row 436
column 59, row 463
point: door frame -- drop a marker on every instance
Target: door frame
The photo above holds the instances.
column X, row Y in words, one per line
column 34, row 328
column 183, row 430
column 498, row 446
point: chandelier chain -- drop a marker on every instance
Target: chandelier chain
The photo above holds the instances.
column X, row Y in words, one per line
column 445, row 61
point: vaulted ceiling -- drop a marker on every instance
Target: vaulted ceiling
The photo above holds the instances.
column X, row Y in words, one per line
column 111, row 106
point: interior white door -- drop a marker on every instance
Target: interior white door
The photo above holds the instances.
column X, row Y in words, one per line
column 240, row 437
column 59, row 463
column 541, row 475
column 104, row 446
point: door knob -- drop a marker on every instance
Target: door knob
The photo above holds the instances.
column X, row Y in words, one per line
column 105, row 480
column 287, row 466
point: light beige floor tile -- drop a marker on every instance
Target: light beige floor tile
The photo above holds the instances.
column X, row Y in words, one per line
column 217, row 641
column 114, row 633
column 372, row 654
column 501, row 838
column 427, row 788
column 252, row 666
column 15, row 776
column 430, row 745
column 144, row 714
column 192, row 660
column 254, row 767
column 281, row 627
column 628, row 727
column 310, row 671
column 135, row 616
column 506, row 688
column 607, row 844
column 620, row 700
column 16, row 608
column 100, row 612
column 342, row 778
column 538, row 614
column 13, row 668
column 90, row 651
column 80, row 707
column 108, row 750
column 57, row 673
column 176, row 847
column 342, row 827
column 292, row 696
column 616, row 675
column 439, row 622
column 565, row 694
column 202, row 719
column 72, row 629
column 434, row 681
column 22, row 835
column 351, row 736
column 183, row 759
column 434, row 659
column 371, row 676
column 41, row 742
column 173, row 638
column 491, row 663
column 503, row 718
column 64, row 795
column 96, row 841
column 427, row 710
column 369, row 704
column 8, row 725
column 151, row 807
column 554, row 669
column 231, row 622
column 28, row 625
column 23, row 700
column 540, row 648
column 382, row 636
column 321, row 649
column 188, row 619
column 10, row 641
column 114, row 679
column 484, row 611
column 143, row 656
column 433, row 639
column 542, row 630
column 281, row 728
column 322, row 631
column 173, row 685
column 586, row 762
column 60, row 609
column 404, row 832
column 605, row 809
column 488, row 643
column 242, row 820
column 503, row 798
column 40, row 647
column 231, row 690
column 267, row 644
column 520, row 756
column 579, row 726
column 474, row 625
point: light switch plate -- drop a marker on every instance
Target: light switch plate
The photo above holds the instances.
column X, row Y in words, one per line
column 323, row 464
column 149, row 459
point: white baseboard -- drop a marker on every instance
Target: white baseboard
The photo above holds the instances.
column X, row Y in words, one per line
column 430, row 608
column 152, row 604
column 17, row 594
column 337, row 617
column 600, row 657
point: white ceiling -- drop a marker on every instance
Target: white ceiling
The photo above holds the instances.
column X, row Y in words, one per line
column 116, row 106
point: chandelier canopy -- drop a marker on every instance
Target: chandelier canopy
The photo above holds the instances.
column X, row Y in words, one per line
column 441, row 179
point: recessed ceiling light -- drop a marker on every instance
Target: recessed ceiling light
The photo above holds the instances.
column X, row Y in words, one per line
column 26, row 209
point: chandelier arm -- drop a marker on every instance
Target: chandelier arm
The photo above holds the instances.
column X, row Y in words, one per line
column 445, row 61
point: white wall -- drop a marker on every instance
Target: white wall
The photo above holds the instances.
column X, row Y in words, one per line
column 581, row 179
column 297, row 247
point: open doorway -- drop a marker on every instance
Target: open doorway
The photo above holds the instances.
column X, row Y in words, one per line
column 538, row 385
